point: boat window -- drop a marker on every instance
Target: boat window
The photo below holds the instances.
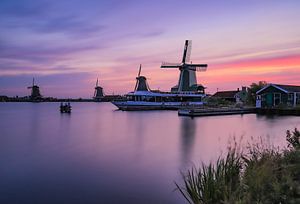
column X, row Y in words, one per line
column 152, row 99
column 130, row 98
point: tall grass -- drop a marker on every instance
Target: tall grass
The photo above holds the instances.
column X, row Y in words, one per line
column 261, row 175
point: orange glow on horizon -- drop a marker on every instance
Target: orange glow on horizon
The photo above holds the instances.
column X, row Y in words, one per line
column 241, row 72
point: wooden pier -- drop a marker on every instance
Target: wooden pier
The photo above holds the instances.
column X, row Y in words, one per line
column 215, row 111
column 194, row 112
column 278, row 111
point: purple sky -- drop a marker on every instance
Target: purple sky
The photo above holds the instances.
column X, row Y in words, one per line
column 66, row 45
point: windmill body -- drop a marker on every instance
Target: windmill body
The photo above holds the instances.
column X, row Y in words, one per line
column 187, row 79
column 98, row 94
column 141, row 82
column 35, row 91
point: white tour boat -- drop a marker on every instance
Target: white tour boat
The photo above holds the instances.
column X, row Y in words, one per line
column 148, row 100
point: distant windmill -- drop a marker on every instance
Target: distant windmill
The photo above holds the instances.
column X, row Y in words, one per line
column 187, row 79
column 98, row 94
column 35, row 91
column 141, row 82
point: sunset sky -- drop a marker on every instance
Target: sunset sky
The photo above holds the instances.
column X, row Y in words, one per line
column 67, row 44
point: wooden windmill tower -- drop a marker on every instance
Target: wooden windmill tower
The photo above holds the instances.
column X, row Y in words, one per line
column 35, row 91
column 141, row 82
column 187, row 78
column 98, row 94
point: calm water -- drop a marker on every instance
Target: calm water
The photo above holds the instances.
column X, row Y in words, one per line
column 99, row 155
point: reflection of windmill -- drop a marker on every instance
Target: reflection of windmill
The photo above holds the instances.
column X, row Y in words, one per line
column 35, row 91
column 141, row 82
column 98, row 94
column 188, row 133
column 187, row 79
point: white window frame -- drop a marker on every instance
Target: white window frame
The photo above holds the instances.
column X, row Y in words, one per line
column 297, row 98
column 274, row 97
column 290, row 96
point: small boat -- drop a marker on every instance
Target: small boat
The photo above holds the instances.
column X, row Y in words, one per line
column 65, row 107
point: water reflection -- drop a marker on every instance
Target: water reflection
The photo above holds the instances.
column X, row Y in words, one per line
column 34, row 122
column 140, row 128
column 188, row 133
column 65, row 126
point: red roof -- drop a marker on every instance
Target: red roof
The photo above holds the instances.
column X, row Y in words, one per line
column 225, row 94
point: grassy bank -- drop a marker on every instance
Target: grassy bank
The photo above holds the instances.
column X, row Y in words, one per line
column 259, row 175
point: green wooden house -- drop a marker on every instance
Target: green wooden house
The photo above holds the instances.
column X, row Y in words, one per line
column 274, row 95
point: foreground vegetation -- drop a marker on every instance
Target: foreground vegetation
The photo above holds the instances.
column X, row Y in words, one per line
column 260, row 175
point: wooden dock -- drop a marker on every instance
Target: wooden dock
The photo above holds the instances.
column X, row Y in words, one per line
column 194, row 112
column 278, row 111
column 215, row 111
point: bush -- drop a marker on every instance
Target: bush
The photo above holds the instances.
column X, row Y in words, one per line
column 216, row 102
column 262, row 175
column 211, row 184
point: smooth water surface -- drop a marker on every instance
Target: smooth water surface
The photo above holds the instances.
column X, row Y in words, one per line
column 99, row 155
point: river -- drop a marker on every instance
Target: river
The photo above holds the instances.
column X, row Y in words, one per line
column 97, row 154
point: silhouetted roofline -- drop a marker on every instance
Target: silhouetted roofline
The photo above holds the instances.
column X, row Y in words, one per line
column 225, row 94
column 284, row 88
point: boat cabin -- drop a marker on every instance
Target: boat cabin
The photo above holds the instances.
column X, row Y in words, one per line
column 148, row 96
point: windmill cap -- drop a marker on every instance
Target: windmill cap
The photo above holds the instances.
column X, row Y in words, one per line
column 141, row 77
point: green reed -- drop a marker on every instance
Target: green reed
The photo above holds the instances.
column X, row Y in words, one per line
column 261, row 175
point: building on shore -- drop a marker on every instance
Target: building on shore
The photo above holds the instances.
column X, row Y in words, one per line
column 275, row 95
column 4, row 98
column 235, row 96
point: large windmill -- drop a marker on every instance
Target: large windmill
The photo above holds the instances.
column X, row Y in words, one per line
column 141, row 82
column 187, row 78
column 98, row 94
column 35, row 91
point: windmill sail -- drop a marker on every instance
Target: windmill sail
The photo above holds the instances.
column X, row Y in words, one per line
column 197, row 67
column 170, row 65
column 187, row 51
column 140, row 69
column 137, row 78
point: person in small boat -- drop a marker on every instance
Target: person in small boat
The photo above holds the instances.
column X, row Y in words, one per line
column 65, row 107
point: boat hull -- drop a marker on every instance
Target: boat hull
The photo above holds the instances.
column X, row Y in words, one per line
column 141, row 105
